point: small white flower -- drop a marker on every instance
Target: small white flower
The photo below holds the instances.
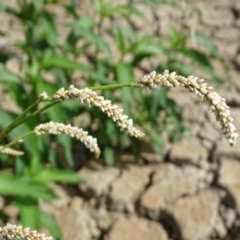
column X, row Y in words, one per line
column 43, row 96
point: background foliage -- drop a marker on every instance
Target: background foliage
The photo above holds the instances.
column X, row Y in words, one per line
column 104, row 49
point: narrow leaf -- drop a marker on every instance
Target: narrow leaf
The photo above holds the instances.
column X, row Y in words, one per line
column 58, row 175
column 50, row 223
column 65, row 63
column 9, row 77
column 24, row 187
column 124, row 74
column 29, row 212
column 109, row 157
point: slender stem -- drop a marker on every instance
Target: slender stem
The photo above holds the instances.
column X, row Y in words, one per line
column 105, row 87
column 113, row 86
column 22, row 117
column 14, row 124
column 16, row 140
column 35, row 113
column 42, row 109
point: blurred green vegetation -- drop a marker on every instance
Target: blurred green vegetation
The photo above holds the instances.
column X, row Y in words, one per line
column 103, row 49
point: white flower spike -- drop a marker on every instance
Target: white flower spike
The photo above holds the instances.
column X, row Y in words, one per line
column 78, row 133
column 217, row 104
column 11, row 231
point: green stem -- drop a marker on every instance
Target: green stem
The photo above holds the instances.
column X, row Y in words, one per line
column 16, row 140
column 35, row 113
column 15, row 122
column 22, row 117
column 113, row 86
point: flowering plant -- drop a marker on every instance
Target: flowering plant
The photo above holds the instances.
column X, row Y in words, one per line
column 47, row 60
column 88, row 96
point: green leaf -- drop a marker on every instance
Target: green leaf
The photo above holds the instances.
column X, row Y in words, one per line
column 177, row 39
column 203, row 62
column 103, row 9
column 52, row 157
column 49, row 28
column 208, row 43
column 80, row 31
column 41, row 86
column 179, row 67
column 155, row 104
column 127, row 11
column 11, row 11
column 109, row 156
column 172, row 3
column 66, row 142
column 102, row 68
column 22, row 100
column 146, row 46
column 5, row 119
column 50, row 223
column 124, row 73
column 83, row 21
column 127, row 33
column 39, row 4
column 9, row 77
column 29, row 212
column 157, row 140
column 122, row 34
column 99, row 6
column 71, row 9
column 198, row 57
column 110, row 129
column 29, row 143
column 57, row 114
column 106, row 10
column 5, row 56
column 58, row 175
column 119, row 39
column 24, row 187
column 65, row 63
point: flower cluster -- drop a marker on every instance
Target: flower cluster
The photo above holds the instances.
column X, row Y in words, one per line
column 91, row 98
column 11, row 151
column 78, row 133
column 198, row 86
column 11, row 231
column 43, row 96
